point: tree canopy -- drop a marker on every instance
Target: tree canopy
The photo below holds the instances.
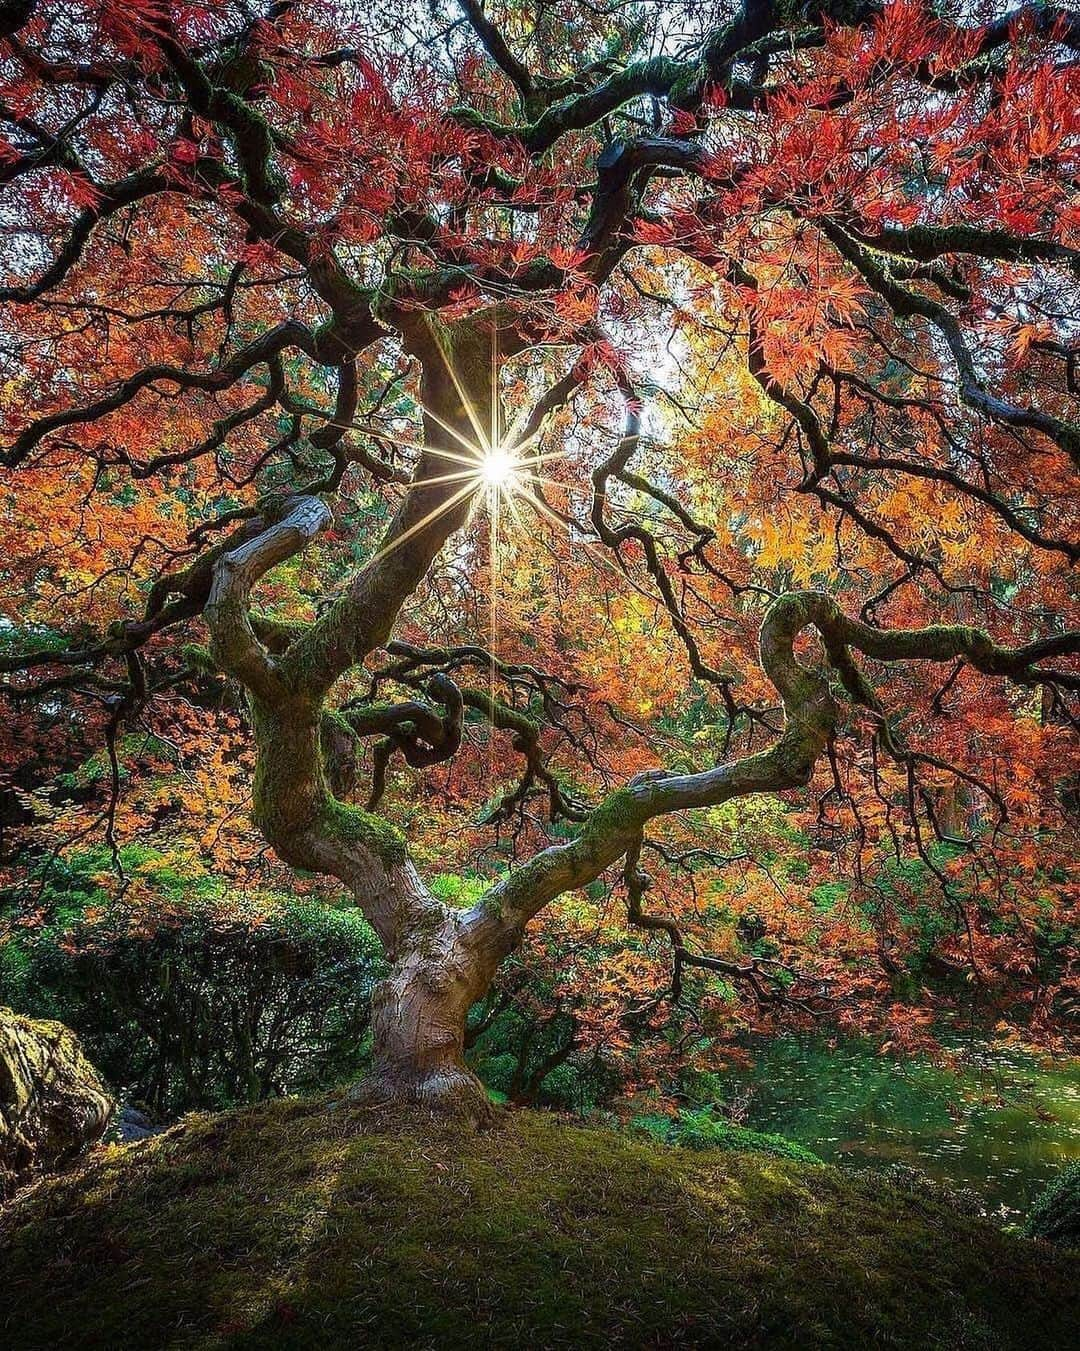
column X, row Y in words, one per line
column 605, row 468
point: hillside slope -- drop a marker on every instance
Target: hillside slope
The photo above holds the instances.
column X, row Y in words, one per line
column 287, row 1226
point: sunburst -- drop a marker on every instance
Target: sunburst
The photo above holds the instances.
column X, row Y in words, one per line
column 490, row 469
column 498, row 467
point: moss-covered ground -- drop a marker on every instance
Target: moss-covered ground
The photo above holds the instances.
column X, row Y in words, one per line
column 296, row 1225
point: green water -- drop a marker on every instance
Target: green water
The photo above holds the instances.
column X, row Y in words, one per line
column 1003, row 1124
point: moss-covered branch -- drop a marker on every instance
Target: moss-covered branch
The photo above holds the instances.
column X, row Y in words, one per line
column 811, row 716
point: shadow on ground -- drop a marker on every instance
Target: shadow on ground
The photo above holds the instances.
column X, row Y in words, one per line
column 295, row 1225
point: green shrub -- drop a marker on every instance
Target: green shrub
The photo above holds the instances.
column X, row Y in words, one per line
column 1055, row 1216
column 528, row 1058
column 705, row 1129
column 191, row 997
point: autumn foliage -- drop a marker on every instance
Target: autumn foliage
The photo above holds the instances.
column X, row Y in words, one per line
column 786, row 295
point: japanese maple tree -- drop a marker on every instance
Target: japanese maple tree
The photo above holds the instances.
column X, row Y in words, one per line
column 686, row 394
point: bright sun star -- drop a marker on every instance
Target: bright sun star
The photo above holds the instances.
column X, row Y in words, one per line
column 497, row 467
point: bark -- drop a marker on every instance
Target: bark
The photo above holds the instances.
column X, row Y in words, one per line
column 418, row 1022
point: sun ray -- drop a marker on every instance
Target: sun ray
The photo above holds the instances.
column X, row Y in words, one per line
column 538, row 504
column 497, row 471
column 493, row 586
column 466, row 402
column 589, row 546
column 530, row 440
column 423, row 523
column 459, row 476
column 391, row 437
column 449, row 427
column 512, row 507
column 493, row 438
column 509, row 453
column 419, row 446
column 477, row 464
column 544, row 457
column 475, row 459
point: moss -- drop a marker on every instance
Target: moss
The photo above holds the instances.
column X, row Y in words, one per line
column 621, row 809
column 686, row 88
column 199, row 658
column 460, row 892
column 278, row 634
column 332, row 720
column 287, row 1226
column 364, row 719
column 351, row 824
column 619, row 813
column 470, row 117
column 53, row 1103
column 289, row 784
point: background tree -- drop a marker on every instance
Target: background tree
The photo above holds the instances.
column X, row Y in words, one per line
column 674, row 384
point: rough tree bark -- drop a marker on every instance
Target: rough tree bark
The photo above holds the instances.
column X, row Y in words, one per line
column 418, row 1021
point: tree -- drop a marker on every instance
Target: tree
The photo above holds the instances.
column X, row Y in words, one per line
column 781, row 298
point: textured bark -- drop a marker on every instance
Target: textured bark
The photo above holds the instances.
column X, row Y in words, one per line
column 418, row 1022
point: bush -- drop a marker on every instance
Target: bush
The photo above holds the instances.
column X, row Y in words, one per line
column 705, row 1129
column 528, row 1058
column 190, row 997
column 1055, row 1216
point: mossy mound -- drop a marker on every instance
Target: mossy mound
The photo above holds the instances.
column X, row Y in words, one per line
column 290, row 1226
column 706, row 1130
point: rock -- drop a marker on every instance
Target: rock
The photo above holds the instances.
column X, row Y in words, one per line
column 135, row 1125
column 53, row 1104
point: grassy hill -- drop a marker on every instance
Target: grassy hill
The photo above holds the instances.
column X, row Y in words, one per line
column 288, row 1226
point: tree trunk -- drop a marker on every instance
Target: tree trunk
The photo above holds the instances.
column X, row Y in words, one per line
column 418, row 1024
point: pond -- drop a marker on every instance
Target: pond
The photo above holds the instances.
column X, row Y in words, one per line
column 1003, row 1124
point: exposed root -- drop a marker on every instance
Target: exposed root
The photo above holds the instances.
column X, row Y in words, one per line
column 452, row 1093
